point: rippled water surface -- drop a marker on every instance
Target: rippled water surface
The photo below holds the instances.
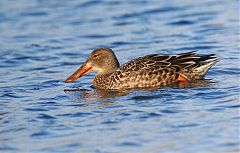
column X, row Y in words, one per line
column 42, row 42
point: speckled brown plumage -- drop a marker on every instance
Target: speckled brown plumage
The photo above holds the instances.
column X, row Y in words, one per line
column 149, row 71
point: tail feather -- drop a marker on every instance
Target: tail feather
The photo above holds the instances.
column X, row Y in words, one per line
column 206, row 57
column 200, row 71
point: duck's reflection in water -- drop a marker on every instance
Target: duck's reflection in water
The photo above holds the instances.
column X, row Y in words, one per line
column 98, row 97
column 96, row 94
column 108, row 97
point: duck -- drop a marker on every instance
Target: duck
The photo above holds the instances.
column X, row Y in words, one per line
column 150, row 71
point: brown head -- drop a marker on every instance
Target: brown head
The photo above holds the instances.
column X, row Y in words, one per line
column 102, row 60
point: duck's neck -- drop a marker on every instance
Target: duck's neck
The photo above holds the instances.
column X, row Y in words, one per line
column 102, row 81
column 109, row 68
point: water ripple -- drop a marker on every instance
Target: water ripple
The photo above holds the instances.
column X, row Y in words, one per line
column 148, row 12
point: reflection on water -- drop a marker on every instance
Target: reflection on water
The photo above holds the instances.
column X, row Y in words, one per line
column 97, row 94
column 106, row 97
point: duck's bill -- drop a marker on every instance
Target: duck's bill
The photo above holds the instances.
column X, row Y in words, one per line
column 83, row 70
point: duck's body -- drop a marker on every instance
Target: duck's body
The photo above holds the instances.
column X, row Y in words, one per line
column 145, row 72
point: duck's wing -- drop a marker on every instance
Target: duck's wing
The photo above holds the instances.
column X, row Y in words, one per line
column 160, row 69
column 184, row 64
column 161, row 61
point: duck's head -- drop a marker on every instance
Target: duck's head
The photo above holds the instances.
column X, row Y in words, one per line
column 102, row 60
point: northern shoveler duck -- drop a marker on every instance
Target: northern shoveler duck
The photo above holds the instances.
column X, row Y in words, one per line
column 144, row 72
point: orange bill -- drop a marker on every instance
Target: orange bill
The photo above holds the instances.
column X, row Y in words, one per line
column 83, row 70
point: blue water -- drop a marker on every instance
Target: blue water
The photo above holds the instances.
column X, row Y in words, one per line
column 42, row 42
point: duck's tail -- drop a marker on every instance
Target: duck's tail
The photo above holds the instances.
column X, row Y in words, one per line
column 200, row 69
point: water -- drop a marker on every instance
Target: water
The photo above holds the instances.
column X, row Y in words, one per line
column 43, row 42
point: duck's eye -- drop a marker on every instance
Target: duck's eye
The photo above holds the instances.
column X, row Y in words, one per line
column 95, row 55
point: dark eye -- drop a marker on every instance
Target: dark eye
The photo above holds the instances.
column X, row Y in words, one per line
column 95, row 55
